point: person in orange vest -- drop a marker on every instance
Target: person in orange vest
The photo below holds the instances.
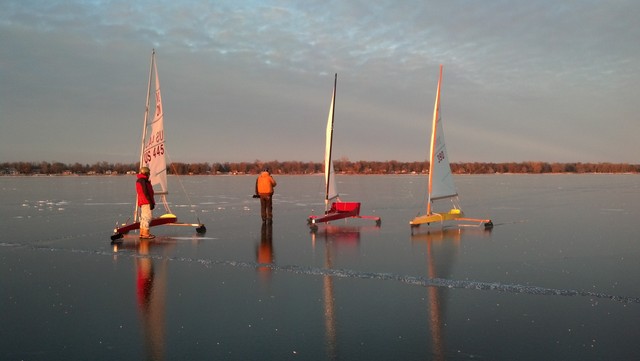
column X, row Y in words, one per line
column 264, row 190
column 146, row 202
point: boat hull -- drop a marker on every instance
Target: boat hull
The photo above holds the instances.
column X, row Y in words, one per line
column 166, row 219
column 340, row 210
column 453, row 215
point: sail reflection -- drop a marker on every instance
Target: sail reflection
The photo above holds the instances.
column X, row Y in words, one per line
column 334, row 238
column 442, row 249
column 151, row 289
column 345, row 236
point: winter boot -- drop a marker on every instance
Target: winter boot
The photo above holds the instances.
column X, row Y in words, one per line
column 144, row 234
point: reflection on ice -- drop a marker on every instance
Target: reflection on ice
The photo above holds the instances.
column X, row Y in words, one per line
column 382, row 276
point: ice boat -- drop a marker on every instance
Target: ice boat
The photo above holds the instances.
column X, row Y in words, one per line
column 441, row 185
column 334, row 208
column 153, row 153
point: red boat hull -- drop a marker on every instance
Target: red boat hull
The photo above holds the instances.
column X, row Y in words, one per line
column 340, row 210
column 154, row 222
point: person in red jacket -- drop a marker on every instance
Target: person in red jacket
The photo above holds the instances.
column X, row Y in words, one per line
column 264, row 190
column 146, row 202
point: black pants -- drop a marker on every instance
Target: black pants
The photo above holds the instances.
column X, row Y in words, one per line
column 266, row 207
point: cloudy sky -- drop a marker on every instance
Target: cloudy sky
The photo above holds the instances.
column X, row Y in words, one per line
column 542, row 80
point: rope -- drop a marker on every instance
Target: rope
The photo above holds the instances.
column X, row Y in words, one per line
column 173, row 167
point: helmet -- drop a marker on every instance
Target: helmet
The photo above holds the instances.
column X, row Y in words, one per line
column 145, row 170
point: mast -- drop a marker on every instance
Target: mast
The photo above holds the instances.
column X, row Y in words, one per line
column 436, row 116
column 144, row 126
column 329, row 166
column 146, row 110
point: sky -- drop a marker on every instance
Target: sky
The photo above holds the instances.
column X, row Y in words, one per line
column 544, row 80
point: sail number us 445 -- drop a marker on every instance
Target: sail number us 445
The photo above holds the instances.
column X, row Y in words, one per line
column 155, row 146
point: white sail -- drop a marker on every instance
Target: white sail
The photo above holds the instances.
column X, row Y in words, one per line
column 154, row 151
column 329, row 174
column 440, row 179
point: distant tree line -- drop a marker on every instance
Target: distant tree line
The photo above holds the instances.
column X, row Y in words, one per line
column 343, row 166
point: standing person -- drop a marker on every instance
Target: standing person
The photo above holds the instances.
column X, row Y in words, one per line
column 264, row 189
column 146, row 202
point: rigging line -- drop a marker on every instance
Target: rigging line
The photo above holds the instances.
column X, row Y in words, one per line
column 425, row 195
column 173, row 167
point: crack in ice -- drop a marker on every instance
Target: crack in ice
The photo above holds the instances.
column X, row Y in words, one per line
column 353, row 274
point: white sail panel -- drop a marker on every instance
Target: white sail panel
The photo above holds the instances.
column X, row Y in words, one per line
column 442, row 179
column 154, row 154
column 329, row 174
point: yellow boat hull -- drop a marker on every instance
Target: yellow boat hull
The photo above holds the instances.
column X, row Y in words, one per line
column 437, row 217
column 452, row 215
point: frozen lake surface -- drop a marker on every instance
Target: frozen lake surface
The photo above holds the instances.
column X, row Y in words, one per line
column 556, row 279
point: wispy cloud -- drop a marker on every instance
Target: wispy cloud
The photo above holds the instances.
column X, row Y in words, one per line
column 515, row 69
